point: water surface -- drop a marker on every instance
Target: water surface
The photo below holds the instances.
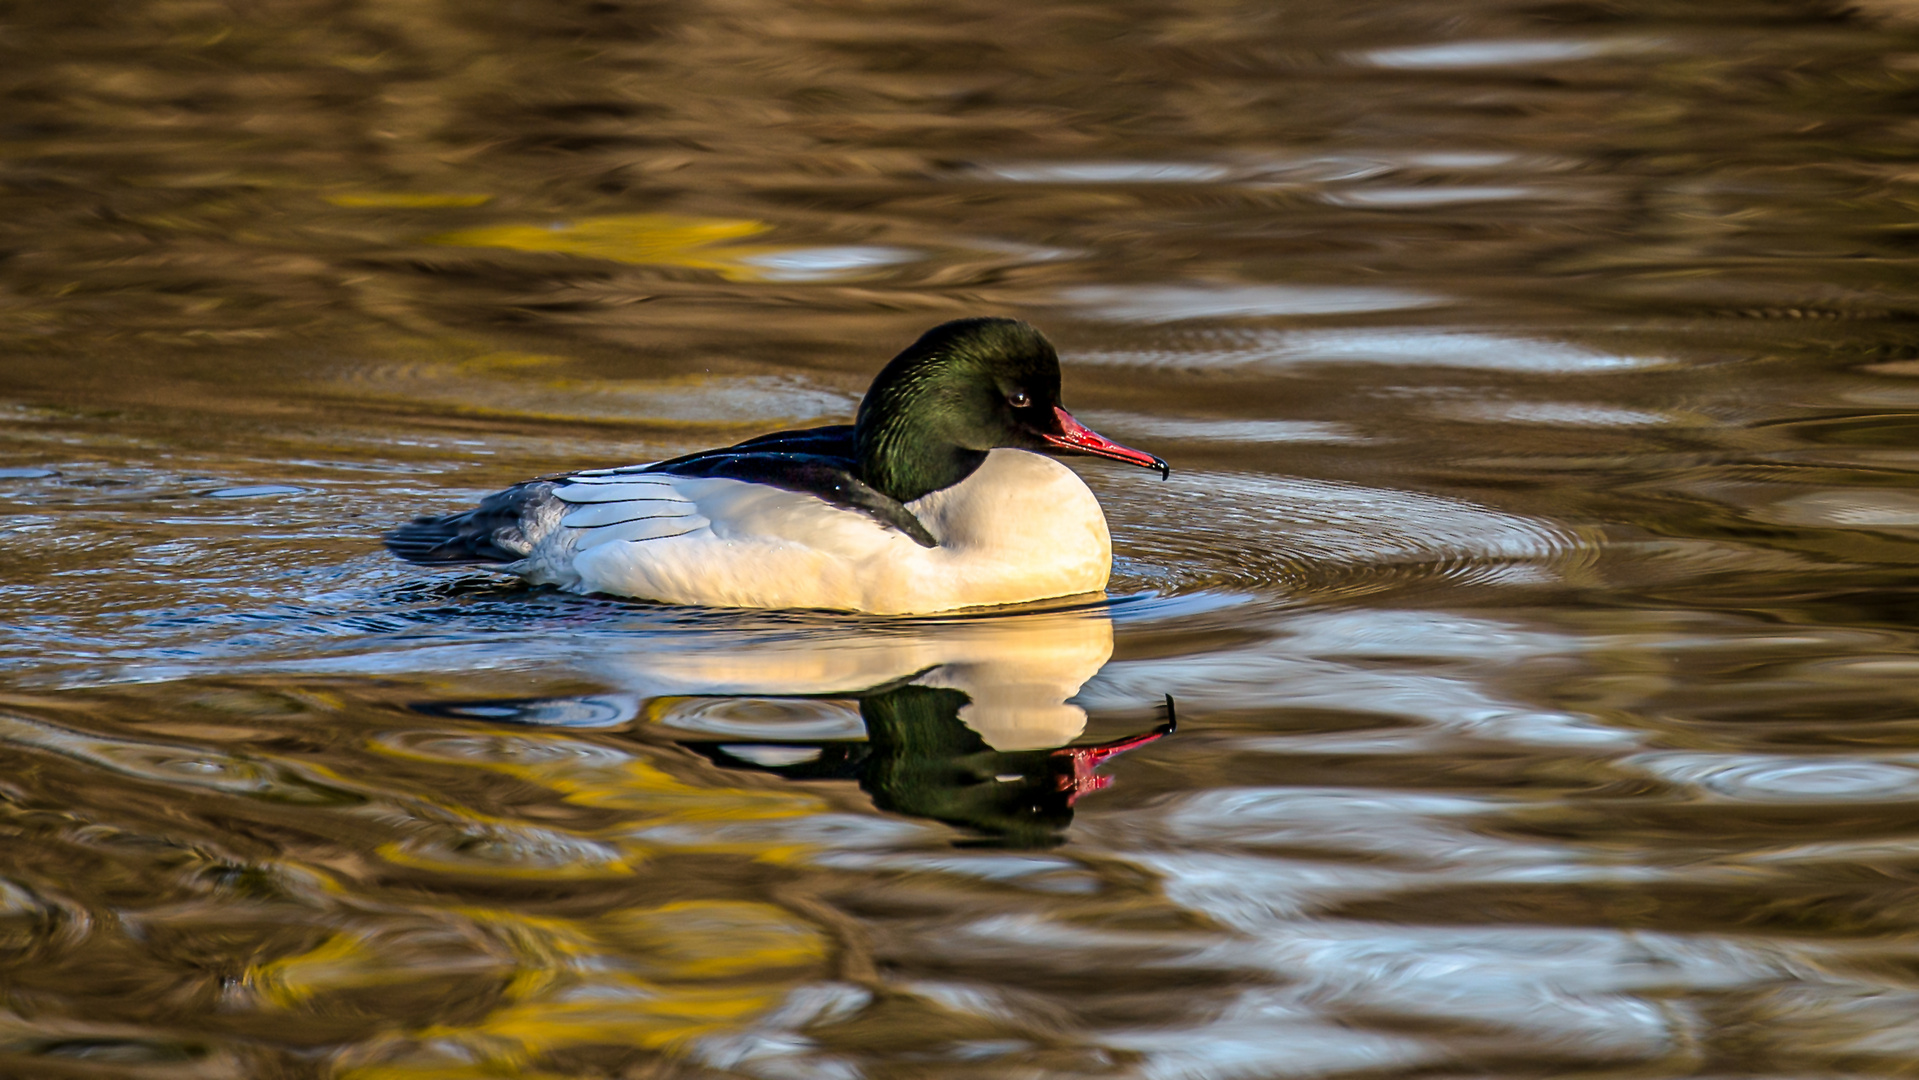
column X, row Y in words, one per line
column 1515, row 677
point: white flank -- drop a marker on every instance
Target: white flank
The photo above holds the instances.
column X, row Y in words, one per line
column 1022, row 527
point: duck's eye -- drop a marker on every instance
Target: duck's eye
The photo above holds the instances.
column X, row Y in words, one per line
column 1018, row 399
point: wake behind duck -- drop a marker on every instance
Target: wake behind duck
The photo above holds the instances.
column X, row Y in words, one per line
column 937, row 497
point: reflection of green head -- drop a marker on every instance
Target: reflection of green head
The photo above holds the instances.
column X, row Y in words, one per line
column 926, row 763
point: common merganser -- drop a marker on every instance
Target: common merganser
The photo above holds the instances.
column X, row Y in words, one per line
column 931, row 500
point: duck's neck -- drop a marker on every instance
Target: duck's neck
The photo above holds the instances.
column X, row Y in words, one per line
column 911, row 431
column 906, row 469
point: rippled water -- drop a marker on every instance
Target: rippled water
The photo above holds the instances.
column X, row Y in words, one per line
column 1515, row 678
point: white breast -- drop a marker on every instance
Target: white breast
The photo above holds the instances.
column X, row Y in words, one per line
column 1022, row 527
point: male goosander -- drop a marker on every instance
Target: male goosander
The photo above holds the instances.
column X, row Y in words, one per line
column 930, row 501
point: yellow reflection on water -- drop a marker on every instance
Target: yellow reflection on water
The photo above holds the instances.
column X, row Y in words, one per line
column 649, row 978
column 653, row 239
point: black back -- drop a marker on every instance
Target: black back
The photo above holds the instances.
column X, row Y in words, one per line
column 815, row 461
column 821, row 461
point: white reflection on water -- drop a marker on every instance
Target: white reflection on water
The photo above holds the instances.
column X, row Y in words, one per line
column 776, row 1046
column 1474, row 54
column 764, row 718
column 1274, row 865
column 1562, row 414
column 1432, row 674
column 959, row 721
column 1281, row 172
column 1171, row 303
column 1470, row 990
column 1395, row 198
column 1465, row 159
column 1406, row 826
column 1140, row 425
column 1846, row 508
column 1017, row 672
column 826, row 263
column 255, row 491
column 1268, row 171
column 1108, row 172
column 836, row 836
column 1413, row 347
column 1267, row 1033
column 1777, row 778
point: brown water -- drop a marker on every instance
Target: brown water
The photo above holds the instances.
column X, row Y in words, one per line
column 1534, row 583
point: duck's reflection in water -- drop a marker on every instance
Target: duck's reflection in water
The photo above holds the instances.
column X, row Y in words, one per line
column 963, row 721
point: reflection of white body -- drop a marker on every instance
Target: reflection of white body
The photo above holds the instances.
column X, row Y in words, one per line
column 1017, row 669
column 1021, row 527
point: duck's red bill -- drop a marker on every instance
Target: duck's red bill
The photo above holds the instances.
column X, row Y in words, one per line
column 1079, row 438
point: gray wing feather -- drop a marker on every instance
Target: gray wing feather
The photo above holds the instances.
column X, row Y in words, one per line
column 628, row 510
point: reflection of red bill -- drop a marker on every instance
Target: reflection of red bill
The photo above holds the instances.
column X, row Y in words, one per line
column 1079, row 438
column 1078, row 778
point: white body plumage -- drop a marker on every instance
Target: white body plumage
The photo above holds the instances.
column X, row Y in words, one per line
column 1021, row 527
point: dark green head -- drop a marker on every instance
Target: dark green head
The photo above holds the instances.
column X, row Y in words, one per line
column 964, row 388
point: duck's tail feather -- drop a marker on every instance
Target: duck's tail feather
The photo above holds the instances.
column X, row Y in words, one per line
column 500, row 530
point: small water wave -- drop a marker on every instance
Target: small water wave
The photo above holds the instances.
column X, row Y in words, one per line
column 1223, row 431
column 1762, row 778
column 1383, row 197
column 1215, row 348
column 1457, row 55
column 176, row 765
column 1175, row 303
column 1317, row 539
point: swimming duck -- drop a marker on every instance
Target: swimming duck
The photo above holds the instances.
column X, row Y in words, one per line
column 939, row 496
